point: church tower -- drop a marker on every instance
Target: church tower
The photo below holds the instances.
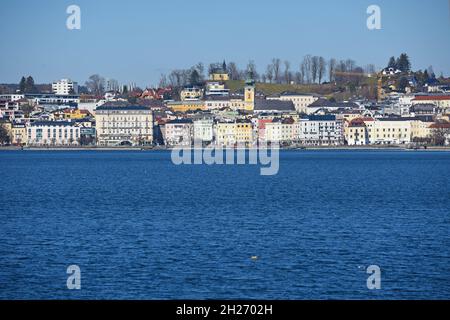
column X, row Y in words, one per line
column 249, row 94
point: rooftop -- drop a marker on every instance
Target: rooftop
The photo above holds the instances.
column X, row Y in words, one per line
column 120, row 108
column 278, row 105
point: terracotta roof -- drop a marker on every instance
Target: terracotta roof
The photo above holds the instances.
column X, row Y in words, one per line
column 428, row 98
column 440, row 126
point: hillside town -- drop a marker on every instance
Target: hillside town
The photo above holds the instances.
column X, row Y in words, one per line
column 208, row 110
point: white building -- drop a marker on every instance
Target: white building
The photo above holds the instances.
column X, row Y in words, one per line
column 390, row 130
column 131, row 125
column 203, row 130
column 65, row 87
column 12, row 97
column 321, row 130
column 179, row 132
column 54, row 99
column 216, row 89
column 280, row 131
column 53, row 133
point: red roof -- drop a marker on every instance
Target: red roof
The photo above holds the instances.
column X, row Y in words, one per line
column 262, row 123
column 440, row 126
column 359, row 122
column 429, row 98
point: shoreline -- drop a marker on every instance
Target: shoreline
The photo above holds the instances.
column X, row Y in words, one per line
column 311, row 148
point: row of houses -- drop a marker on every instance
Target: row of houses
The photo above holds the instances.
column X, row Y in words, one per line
column 314, row 130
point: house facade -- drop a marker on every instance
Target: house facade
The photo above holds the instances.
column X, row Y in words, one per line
column 131, row 125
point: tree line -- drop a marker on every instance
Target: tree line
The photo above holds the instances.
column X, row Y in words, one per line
column 311, row 70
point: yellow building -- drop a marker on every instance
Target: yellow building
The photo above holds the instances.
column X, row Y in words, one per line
column 191, row 93
column 71, row 114
column 244, row 132
column 218, row 72
column 356, row 132
column 421, row 129
column 184, row 106
column 19, row 134
column 389, row 131
column 231, row 134
column 219, row 76
column 226, row 134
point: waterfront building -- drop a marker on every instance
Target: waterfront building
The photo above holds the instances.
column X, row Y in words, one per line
column 421, row 128
column 130, row 125
column 203, row 130
column 244, row 132
column 280, row 130
column 390, row 130
column 53, row 133
column 356, row 132
column 319, row 130
column 261, row 128
column 231, row 134
column 179, row 132
column 19, row 134
column 65, row 87
column 226, row 134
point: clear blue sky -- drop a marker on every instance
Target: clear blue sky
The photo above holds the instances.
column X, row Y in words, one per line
column 137, row 40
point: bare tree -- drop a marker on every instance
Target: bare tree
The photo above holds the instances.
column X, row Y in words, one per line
column 96, row 84
column 302, row 72
column 298, row 78
column 287, row 73
column 200, row 67
column 276, row 63
column 251, row 70
column 369, row 69
column 307, row 67
column 322, row 68
column 331, row 69
column 314, row 68
column 233, row 71
column 350, row 65
column 440, row 134
column 269, row 73
column 163, row 81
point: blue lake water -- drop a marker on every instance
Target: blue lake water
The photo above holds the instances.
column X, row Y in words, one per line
column 140, row 227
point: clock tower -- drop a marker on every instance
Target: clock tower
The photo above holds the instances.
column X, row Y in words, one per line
column 249, row 94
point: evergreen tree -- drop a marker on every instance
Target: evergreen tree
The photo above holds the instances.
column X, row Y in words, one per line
column 392, row 63
column 29, row 85
column 194, row 78
column 403, row 63
column 22, row 85
column 4, row 135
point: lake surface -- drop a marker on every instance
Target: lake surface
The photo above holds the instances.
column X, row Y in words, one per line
column 140, row 227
